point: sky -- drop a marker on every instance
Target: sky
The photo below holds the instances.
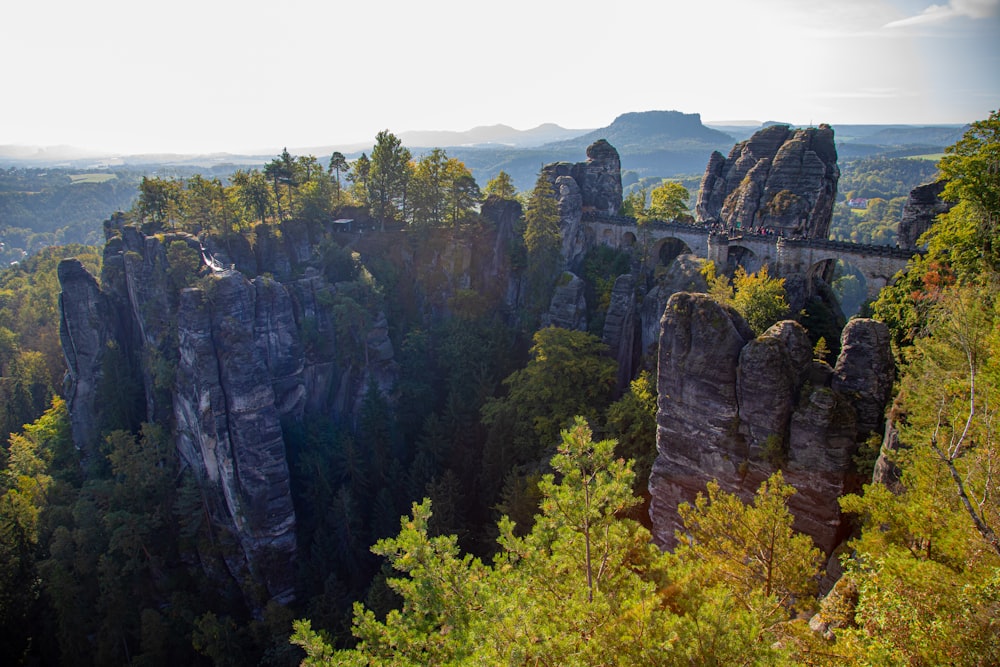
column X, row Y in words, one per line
column 201, row 76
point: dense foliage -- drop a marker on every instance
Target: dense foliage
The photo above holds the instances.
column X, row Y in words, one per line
column 44, row 207
column 585, row 586
column 872, row 193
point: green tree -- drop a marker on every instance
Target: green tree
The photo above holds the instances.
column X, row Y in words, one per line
column 634, row 204
column 26, row 486
column 463, row 193
column 184, row 263
column 758, row 297
column 569, row 374
column 283, row 170
column 751, row 548
column 429, row 189
column 159, row 200
column 543, row 241
column 316, row 198
column 594, row 488
column 534, row 604
column 923, row 585
column 359, row 176
column 631, row 420
column 668, row 201
column 205, row 204
column 501, row 186
column 253, row 194
column 388, row 178
column 541, row 216
column 338, row 165
column 971, row 171
column 927, row 566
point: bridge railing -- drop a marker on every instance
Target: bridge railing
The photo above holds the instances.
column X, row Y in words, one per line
column 629, row 221
column 824, row 244
column 856, row 248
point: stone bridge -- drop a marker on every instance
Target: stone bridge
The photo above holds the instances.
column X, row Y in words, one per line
column 661, row 242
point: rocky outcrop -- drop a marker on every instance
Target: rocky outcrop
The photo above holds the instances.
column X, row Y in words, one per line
column 568, row 308
column 620, row 330
column 225, row 360
column 865, row 372
column 683, row 275
column 734, row 407
column 228, row 425
column 600, row 178
column 781, row 179
column 505, row 215
column 86, row 329
column 592, row 188
column 922, row 206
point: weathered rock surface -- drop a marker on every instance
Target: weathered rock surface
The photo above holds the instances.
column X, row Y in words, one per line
column 568, row 308
column 228, row 427
column 733, row 407
column 922, row 206
column 593, row 187
column 683, row 275
column 224, row 362
column 86, row 327
column 865, row 372
column 600, row 178
column 504, row 214
column 780, row 178
column 620, row 330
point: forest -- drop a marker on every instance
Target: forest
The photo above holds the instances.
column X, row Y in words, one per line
column 883, row 184
column 493, row 513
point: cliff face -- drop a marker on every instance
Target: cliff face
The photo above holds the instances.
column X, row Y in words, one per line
column 922, row 206
column 780, row 178
column 733, row 407
column 224, row 359
column 227, row 421
column 505, row 215
column 593, row 187
column 87, row 327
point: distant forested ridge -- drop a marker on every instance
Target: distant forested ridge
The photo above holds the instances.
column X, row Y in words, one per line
column 44, row 207
column 872, row 193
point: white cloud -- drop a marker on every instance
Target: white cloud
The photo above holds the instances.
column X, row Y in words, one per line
column 973, row 9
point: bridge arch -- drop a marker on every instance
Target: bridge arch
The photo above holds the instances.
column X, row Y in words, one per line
column 662, row 242
column 740, row 255
column 847, row 280
column 669, row 248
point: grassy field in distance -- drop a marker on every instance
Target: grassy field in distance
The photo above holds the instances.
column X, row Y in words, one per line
column 91, row 178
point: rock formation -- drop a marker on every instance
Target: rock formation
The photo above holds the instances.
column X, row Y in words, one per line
column 683, row 275
column 921, row 208
column 505, row 215
column 86, row 329
column 733, row 407
column 227, row 424
column 568, row 308
column 593, row 187
column 224, row 359
column 780, row 178
column 620, row 329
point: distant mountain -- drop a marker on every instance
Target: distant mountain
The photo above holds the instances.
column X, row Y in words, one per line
column 47, row 155
column 486, row 135
column 647, row 131
column 661, row 143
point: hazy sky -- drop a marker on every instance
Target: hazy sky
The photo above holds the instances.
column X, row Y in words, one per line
column 236, row 75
